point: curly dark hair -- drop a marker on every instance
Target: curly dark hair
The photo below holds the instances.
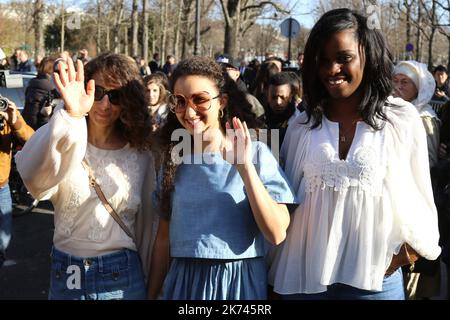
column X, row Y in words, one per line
column 120, row 70
column 377, row 80
column 237, row 106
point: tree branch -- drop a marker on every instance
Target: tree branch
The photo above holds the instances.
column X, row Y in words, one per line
column 225, row 13
column 264, row 3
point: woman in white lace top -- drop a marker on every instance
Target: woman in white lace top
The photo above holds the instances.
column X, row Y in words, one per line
column 358, row 161
column 104, row 121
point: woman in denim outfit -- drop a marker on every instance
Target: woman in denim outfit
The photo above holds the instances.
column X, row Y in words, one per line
column 219, row 205
column 106, row 122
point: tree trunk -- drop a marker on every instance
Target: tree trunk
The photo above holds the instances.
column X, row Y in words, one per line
column 134, row 28
column 185, row 27
column 433, row 31
column 39, row 49
column 231, row 13
column 108, row 38
column 145, row 30
column 448, row 38
column 430, row 48
column 116, row 27
column 448, row 59
column 63, row 22
column 164, row 11
column 99, row 30
column 176, row 38
column 419, row 33
column 126, row 42
column 408, row 22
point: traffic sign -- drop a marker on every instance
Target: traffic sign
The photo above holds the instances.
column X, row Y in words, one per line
column 409, row 47
column 290, row 28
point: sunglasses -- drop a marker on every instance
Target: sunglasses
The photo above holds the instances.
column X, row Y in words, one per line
column 200, row 101
column 113, row 95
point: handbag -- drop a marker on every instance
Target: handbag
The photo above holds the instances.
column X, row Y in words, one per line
column 93, row 183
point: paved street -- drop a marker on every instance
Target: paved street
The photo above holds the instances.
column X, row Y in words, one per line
column 26, row 273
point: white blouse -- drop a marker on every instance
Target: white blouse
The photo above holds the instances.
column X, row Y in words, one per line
column 50, row 166
column 354, row 214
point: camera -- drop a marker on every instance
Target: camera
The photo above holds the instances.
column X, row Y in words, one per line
column 49, row 103
column 4, row 104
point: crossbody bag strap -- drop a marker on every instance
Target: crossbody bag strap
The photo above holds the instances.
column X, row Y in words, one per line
column 105, row 201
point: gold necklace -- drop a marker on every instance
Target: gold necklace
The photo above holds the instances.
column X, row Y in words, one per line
column 343, row 135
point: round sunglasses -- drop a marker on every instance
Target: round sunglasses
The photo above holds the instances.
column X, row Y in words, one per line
column 200, row 101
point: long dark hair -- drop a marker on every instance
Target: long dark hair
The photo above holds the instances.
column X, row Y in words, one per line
column 237, row 106
column 376, row 84
column 160, row 79
column 135, row 121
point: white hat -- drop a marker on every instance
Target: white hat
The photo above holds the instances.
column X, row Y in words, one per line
column 422, row 78
column 2, row 54
column 409, row 70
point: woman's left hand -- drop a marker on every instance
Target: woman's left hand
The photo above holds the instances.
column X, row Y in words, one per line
column 238, row 148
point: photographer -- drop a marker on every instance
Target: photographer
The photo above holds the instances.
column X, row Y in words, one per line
column 440, row 75
column 11, row 123
column 40, row 94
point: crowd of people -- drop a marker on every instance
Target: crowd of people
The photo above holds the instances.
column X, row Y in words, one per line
column 356, row 207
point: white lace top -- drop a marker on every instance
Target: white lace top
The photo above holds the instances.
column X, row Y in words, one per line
column 50, row 165
column 354, row 214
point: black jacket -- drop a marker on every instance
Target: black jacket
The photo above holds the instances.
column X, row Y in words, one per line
column 37, row 91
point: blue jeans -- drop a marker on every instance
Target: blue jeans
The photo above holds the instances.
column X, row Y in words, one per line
column 5, row 218
column 392, row 290
column 115, row 276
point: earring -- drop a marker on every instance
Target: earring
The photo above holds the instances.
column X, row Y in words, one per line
column 221, row 113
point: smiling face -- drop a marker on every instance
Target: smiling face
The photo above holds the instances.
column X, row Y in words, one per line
column 404, row 87
column 198, row 121
column 341, row 65
column 103, row 113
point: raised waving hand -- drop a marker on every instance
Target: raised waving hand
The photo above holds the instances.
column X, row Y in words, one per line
column 238, row 147
column 77, row 100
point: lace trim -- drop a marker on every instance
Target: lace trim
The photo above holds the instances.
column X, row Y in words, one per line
column 119, row 179
column 69, row 212
column 325, row 169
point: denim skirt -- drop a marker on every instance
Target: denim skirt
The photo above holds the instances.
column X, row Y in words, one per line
column 215, row 279
column 115, row 276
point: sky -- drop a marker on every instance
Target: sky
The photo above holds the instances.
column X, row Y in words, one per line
column 302, row 13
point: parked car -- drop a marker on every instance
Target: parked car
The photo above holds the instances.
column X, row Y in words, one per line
column 13, row 86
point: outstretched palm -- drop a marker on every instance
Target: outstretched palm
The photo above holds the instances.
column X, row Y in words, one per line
column 77, row 100
column 237, row 148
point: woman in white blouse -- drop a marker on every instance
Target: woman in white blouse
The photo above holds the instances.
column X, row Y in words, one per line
column 105, row 122
column 358, row 161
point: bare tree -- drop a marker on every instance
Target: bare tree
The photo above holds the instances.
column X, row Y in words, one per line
column 145, row 30
column 164, row 17
column 38, row 16
column 186, row 18
column 134, row 28
column 176, row 38
column 239, row 13
column 99, row 29
column 118, row 15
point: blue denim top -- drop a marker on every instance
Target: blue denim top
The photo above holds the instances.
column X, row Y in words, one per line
column 211, row 215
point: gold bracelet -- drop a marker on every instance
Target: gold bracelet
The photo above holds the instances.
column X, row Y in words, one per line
column 412, row 263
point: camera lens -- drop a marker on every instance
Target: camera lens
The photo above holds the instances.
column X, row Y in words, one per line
column 3, row 104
